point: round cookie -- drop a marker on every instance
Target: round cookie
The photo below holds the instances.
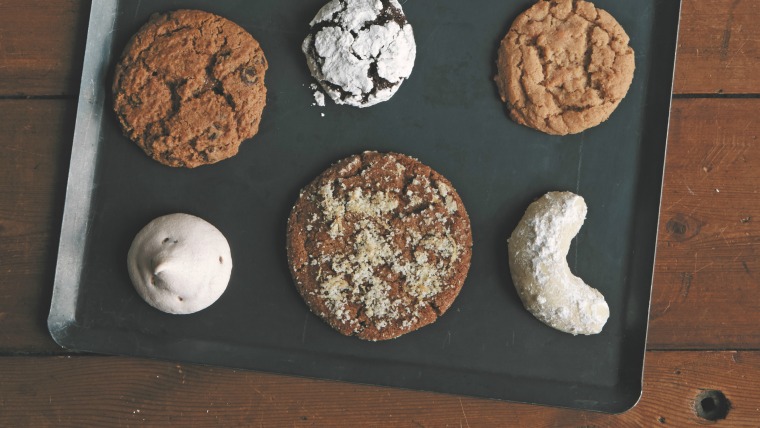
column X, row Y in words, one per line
column 360, row 51
column 564, row 66
column 189, row 88
column 379, row 245
column 179, row 263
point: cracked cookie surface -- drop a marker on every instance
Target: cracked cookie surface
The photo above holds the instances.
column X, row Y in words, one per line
column 360, row 51
column 189, row 88
column 379, row 245
column 564, row 66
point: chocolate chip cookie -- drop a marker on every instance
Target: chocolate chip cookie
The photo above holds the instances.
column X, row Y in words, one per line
column 189, row 88
column 564, row 66
column 379, row 245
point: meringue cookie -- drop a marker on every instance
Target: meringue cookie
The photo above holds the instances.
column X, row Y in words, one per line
column 179, row 263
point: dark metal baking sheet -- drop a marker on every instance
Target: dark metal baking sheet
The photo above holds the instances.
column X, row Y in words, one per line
column 448, row 115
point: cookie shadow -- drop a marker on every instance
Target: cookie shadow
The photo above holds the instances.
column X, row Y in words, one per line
column 500, row 36
column 513, row 214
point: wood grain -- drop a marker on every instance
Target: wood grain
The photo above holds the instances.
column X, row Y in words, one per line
column 42, row 41
column 34, row 161
column 719, row 47
column 42, row 46
column 706, row 292
column 114, row 391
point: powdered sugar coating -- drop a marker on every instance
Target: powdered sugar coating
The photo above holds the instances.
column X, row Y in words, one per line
column 537, row 260
column 360, row 51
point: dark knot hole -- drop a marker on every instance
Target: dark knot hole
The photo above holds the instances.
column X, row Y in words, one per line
column 712, row 405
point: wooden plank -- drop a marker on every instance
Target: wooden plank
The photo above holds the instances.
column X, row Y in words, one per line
column 34, row 157
column 108, row 391
column 707, row 292
column 42, row 43
column 719, row 47
column 42, row 46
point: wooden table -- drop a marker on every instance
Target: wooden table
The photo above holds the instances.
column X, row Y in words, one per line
column 705, row 320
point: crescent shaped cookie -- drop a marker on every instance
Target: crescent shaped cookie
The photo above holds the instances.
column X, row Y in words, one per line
column 538, row 262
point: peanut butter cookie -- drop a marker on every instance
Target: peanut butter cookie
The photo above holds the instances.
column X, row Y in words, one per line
column 564, row 66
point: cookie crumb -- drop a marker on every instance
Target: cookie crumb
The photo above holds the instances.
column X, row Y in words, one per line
column 319, row 97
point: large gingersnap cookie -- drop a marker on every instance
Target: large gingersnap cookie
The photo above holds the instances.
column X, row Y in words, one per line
column 564, row 66
column 379, row 245
column 189, row 88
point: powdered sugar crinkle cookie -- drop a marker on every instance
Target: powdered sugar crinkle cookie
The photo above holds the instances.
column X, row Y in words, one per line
column 360, row 51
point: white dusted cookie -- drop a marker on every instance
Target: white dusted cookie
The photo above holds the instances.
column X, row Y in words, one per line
column 179, row 263
column 538, row 262
column 360, row 51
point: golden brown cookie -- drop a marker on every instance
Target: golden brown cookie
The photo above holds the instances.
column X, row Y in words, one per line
column 379, row 245
column 189, row 88
column 564, row 66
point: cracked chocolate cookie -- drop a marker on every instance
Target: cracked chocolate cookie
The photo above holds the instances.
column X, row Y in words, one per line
column 189, row 88
column 564, row 66
column 360, row 51
column 379, row 245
